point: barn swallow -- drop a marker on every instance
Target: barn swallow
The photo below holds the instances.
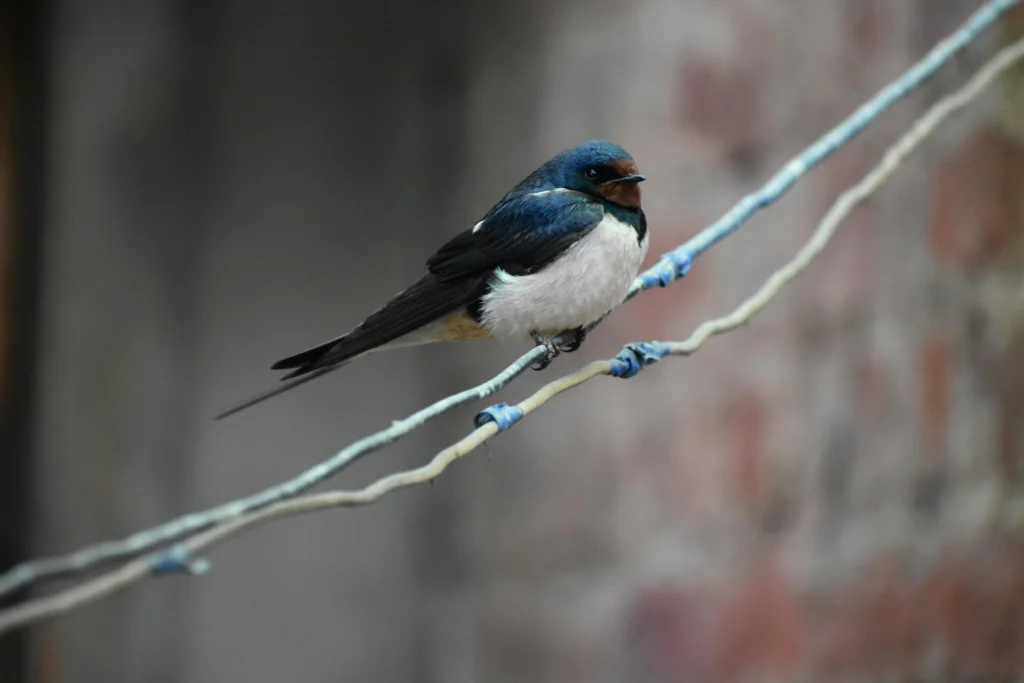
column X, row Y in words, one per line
column 555, row 254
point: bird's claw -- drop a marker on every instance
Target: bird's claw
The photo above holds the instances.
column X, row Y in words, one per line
column 549, row 346
column 575, row 339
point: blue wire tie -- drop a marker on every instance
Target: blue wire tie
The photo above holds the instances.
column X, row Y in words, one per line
column 177, row 559
column 671, row 266
column 681, row 260
column 633, row 357
column 501, row 414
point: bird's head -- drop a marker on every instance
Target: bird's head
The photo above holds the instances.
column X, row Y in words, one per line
column 600, row 169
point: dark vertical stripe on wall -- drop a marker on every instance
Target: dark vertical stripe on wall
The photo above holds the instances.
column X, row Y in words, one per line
column 197, row 25
column 441, row 56
column 22, row 153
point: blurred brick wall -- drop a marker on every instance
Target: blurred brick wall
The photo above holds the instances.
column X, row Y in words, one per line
column 830, row 493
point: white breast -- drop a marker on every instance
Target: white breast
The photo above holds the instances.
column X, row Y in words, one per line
column 592, row 277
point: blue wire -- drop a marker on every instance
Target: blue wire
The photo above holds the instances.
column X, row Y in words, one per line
column 670, row 266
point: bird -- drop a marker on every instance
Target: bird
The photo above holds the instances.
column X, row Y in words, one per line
column 556, row 253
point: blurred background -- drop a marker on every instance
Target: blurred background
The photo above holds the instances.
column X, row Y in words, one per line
column 190, row 190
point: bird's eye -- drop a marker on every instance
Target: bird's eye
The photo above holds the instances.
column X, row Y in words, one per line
column 591, row 174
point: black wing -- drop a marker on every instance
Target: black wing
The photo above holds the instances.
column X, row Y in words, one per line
column 520, row 235
column 424, row 302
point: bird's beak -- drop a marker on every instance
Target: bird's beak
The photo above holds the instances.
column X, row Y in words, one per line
column 635, row 178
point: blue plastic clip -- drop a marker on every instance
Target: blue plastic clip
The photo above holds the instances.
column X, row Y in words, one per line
column 681, row 261
column 501, row 414
column 671, row 266
column 177, row 559
column 633, row 357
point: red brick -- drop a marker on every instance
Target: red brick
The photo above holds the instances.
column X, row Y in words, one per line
column 1014, row 19
column 888, row 623
column 869, row 629
column 710, row 634
column 748, row 421
column 762, row 628
column 872, row 380
column 720, row 98
column 867, row 24
column 669, row 634
column 977, row 203
column 1010, row 447
column 935, row 378
column 720, row 102
column 696, row 480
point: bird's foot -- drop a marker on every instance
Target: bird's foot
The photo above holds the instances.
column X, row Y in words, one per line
column 574, row 339
column 549, row 346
